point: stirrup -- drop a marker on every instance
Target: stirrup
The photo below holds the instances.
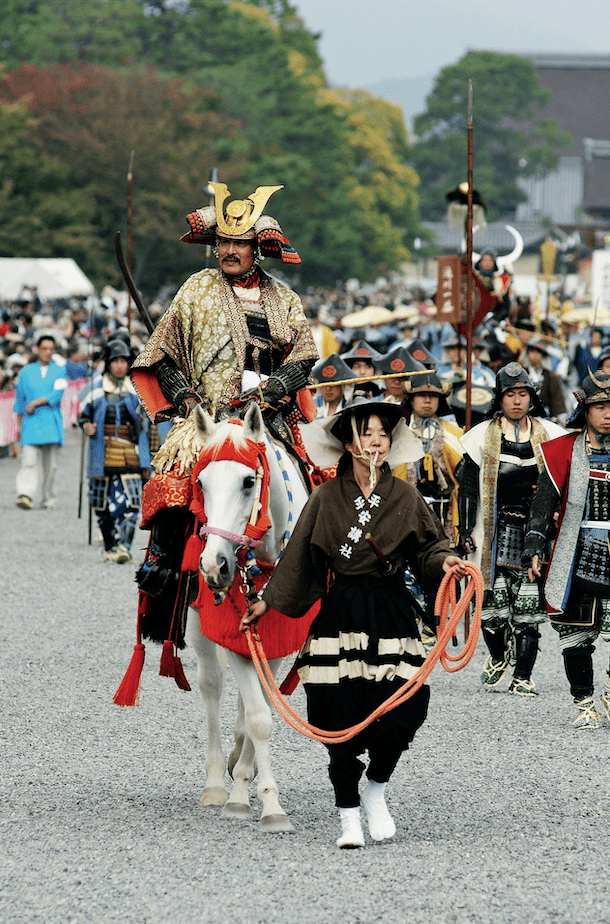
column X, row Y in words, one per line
column 588, row 716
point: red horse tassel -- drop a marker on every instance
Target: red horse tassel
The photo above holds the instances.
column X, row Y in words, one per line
column 128, row 693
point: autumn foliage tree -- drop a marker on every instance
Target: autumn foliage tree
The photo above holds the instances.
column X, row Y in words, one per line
column 191, row 84
column 82, row 125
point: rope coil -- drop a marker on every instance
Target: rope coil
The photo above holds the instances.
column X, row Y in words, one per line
column 449, row 612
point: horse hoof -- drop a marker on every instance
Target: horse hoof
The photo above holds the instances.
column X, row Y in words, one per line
column 236, row 810
column 276, row 824
column 214, row 796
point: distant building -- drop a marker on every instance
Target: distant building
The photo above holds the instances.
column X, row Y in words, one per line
column 577, row 194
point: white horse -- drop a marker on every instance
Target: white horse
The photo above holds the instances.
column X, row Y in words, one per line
column 229, row 491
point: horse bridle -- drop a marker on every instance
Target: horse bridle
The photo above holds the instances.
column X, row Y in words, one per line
column 244, row 541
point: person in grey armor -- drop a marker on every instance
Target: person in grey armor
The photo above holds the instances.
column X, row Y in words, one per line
column 576, row 479
column 112, row 418
column 501, row 465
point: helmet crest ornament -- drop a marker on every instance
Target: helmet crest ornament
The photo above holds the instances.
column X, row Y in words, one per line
column 240, row 215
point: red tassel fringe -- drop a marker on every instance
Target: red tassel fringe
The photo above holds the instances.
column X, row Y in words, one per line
column 167, row 667
column 128, row 693
column 180, row 676
column 192, row 554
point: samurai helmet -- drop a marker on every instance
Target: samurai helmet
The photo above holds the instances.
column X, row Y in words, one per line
column 116, row 349
column 240, row 219
column 595, row 389
column 513, row 375
column 241, row 215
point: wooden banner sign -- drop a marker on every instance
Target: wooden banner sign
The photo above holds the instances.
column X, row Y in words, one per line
column 449, row 290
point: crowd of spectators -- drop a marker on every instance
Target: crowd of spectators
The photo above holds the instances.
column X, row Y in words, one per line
column 560, row 342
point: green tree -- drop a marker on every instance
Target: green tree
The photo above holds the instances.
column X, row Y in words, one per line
column 41, row 212
column 511, row 138
column 260, row 60
column 71, row 31
column 381, row 183
column 84, row 122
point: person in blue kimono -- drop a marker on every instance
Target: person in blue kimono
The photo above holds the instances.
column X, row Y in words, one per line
column 40, row 428
column 119, row 455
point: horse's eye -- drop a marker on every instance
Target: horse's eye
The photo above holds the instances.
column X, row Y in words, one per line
column 249, row 482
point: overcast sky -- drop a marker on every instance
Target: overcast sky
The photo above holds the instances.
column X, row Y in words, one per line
column 365, row 42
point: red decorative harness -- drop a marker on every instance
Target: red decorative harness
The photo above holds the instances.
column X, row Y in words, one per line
column 220, row 622
column 254, row 456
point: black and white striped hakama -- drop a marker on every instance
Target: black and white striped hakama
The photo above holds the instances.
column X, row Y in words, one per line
column 363, row 646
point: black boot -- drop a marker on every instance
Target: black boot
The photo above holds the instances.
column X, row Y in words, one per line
column 495, row 639
column 159, row 573
column 526, row 652
column 579, row 671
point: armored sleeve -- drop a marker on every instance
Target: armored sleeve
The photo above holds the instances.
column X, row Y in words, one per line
column 468, row 497
column 288, row 379
column 175, row 388
column 544, row 505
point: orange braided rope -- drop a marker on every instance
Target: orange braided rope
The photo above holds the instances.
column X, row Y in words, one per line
column 447, row 609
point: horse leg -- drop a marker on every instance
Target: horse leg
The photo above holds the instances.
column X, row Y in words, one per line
column 209, row 681
column 258, row 721
column 240, row 735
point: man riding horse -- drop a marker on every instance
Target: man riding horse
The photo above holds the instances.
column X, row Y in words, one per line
column 230, row 333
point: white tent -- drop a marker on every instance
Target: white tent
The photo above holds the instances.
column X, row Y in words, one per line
column 59, row 277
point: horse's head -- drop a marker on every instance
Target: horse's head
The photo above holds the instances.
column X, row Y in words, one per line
column 229, row 491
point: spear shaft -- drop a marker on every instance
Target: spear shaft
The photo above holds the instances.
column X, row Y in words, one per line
column 366, row 378
column 469, row 279
column 129, row 238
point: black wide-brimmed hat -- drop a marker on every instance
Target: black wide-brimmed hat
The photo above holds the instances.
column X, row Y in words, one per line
column 332, row 369
column 324, row 437
column 362, row 350
column 399, row 361
column 364, row 407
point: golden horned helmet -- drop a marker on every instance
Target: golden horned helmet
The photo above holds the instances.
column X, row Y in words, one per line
column 240, row 215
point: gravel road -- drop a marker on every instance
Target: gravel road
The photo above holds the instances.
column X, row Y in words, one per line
column 501, row 806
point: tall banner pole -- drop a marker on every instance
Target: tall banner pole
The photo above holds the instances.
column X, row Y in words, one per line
column 129, row 236
column 469, row 272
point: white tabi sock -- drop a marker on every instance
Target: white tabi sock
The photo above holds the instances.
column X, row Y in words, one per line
column 381, row 825
column 351, row 829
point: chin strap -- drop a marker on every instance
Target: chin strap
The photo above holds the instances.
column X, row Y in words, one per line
column 371, row 459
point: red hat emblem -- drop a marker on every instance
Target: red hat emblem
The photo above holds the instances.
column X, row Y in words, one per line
column 397, row 365
column 329, row 371
column 420, row 355
column 362, row 351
